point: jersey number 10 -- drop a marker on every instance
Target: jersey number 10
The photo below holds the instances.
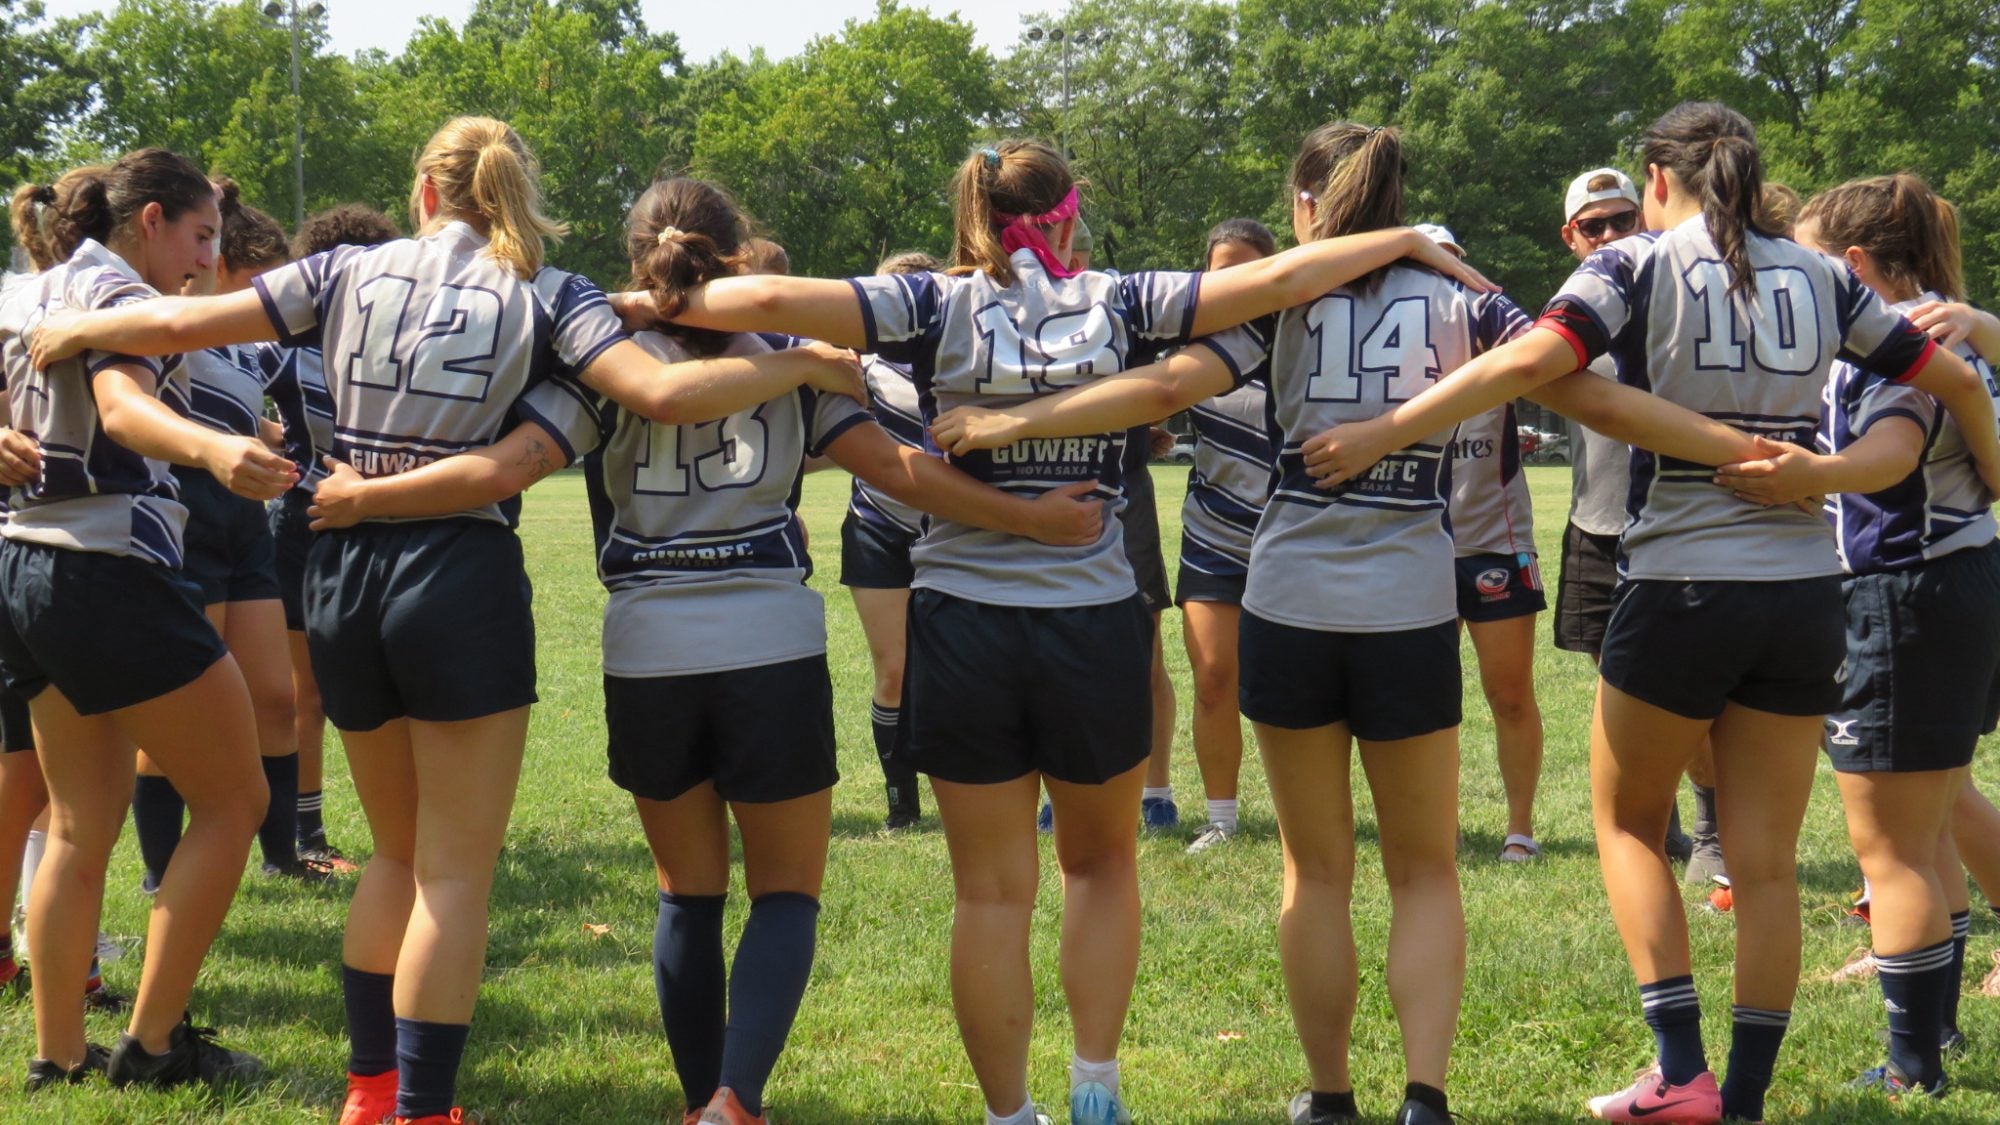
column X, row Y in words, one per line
column 1781, row 343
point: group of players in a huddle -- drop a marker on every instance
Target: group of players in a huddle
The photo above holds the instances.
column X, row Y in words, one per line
column 1350, row 506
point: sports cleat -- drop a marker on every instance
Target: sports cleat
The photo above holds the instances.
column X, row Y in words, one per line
column 101, row 999
column 1159, row 814
column 1415, row 1112
column 1209, row 837
column 301, row 871
column 1651, row 1098
column 1952, row 1042
column 1045, row 821
column 1892, row 1082
column 1858, row 911
column 1302, row 1113
column 1722, row 899
column 455, row 1117
column 1093, row 1103
column 371, row 1099
column 192, row 1056
column 42, row 1072
column 325, row 857
column 1860, row 966
column 725, row 1109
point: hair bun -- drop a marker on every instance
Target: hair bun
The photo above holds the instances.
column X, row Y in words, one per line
column 670, row 234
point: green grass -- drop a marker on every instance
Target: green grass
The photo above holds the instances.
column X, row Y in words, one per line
column 567, row 1029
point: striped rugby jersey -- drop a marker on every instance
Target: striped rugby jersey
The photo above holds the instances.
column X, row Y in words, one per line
column 1659, row 304
column 428, row 342
column 94, row 494
column 698, row 538
column 1374, row 555
column 1235, row 455
column 1941, row 507
column 892, row 398
column 295, row 381
column 1491, row 512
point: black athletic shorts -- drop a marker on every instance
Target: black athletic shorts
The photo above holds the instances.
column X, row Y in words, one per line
column 292, row 536
column 17, row 727
column 1141, row 517
column 1923, row 665
column 994, row 692
column 1694, row 647
column 109, row 631
column 1499, row 587
column 1384, row 686
column 227, row 548
column 1192, row 585
column 427, row 620
column 1585, row 590
column 875, row 556
column 760, row 734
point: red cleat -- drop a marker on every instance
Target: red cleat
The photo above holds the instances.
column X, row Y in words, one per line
column 371, row 1099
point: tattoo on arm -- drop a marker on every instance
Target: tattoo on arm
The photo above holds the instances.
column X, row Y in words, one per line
column 537, row 459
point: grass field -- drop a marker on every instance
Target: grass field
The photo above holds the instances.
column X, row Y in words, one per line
column 568, row 1030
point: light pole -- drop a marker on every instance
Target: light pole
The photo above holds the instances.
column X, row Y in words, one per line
column 289, row 15
column 1066, row 38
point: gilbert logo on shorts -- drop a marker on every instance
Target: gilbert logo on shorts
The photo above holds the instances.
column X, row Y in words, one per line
column 1840, row 732
column 1491, row 583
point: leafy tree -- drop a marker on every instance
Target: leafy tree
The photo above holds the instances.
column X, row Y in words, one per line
column 47, row 85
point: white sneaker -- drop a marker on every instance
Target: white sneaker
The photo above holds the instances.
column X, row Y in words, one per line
column 1209, row 837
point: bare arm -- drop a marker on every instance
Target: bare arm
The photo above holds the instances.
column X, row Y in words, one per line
column 462, row 482
column 1137, row 397
column 135, row 419
column 1783, row 473
column 20, row 455
column 814, row 307
column 1952, row 324
column 1061, row 517
column 1954, row 383
column 158, row 326
column 1242, row 293
column 1645, row 420
column 702, row 390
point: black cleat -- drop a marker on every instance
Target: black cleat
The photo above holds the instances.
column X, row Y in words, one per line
column 192, row 1056
column 1302, row 1112
column 1415, row 1112
column 42, row 1072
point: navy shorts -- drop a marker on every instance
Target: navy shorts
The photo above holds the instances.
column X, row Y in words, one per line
column 1384, row 686
column 1499, row 587
column 292, row 537
column 109, row 631
column 875, row 556
column 1141, row 519
column 1192, row 585
column 1585, row 590
column 760, row 734
column 1923, row 665
column 227, row 548
column 428, row 620
column 17, row 726
column 994, row 692
column 1694, row 647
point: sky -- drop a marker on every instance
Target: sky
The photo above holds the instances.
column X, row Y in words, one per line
column 706, row 29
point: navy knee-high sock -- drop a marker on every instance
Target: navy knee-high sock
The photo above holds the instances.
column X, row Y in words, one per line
column 1756, row 1035
column 1914, row 986
column 371, row 1020
column 692, row 982
column 157, row 809
column 279, row 834
column 1961, row 928
column 1674, row 1013
column 427, row 1056
column 773, row 962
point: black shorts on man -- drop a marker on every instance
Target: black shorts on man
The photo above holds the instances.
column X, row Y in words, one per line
column 428, row 620
column 108, row 631
column 1693, row 648
column 994, row 692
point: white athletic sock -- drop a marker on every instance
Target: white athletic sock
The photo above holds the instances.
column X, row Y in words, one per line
column 1163, row 792
column 1082, row 1070
column 1223, row 813
column 31, row 862
column 1023, row 1116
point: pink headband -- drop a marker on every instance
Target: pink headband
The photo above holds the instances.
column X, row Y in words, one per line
column 1024, row 231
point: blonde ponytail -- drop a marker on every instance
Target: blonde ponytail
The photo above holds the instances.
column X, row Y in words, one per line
column 1009, row 178
column 483, row 172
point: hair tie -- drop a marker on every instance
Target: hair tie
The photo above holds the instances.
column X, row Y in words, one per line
column 45, row 195
column 1374, row 129
column 992, row 156
column 670, row 234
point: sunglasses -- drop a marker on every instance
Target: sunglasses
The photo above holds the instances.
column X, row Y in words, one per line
column 1621, row 223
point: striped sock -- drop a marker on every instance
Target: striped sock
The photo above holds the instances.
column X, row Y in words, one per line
column 1753, row 1053
column 1673, row 1011
column 311, row 827
column 1914, row 986
column 1961, row 928
column 901, row 781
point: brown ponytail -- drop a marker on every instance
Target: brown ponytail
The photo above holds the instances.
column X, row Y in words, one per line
column 1007, row 178
column 250, row 238
column 682, row 234
column 1354, row 174
column 908, row 261
column 1908, row 229
column 51, row 221
column 31, row 210
column 482, row 171
column 1713, row 151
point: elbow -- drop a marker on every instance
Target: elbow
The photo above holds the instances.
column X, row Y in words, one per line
column 669, row 406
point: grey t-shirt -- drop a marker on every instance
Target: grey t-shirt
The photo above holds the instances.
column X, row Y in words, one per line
column 1600, row 473
column 698, row 536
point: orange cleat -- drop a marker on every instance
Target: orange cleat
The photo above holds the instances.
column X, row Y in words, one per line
column 371, row 1099
column 1722, row 900
column 455, row 1117
column 724, row 1109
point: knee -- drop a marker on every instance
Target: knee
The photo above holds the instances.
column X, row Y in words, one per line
column 240, row 806
column 1107, row 863
column 1405, row 869
column 889, row 677
column 272, row 706
column 1513, row 704
column 1215, row 686
column 996, row 890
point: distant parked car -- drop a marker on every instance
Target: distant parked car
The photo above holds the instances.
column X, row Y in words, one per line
column 1543, row 447
column 1182, row 453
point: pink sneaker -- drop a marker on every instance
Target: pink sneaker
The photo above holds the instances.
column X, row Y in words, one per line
column 1652, row 1099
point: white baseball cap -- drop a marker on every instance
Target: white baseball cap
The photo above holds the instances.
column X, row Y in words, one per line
column 1441, row 235
column 1580, row 196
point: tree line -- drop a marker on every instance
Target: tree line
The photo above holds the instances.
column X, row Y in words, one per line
column 1178, row 113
